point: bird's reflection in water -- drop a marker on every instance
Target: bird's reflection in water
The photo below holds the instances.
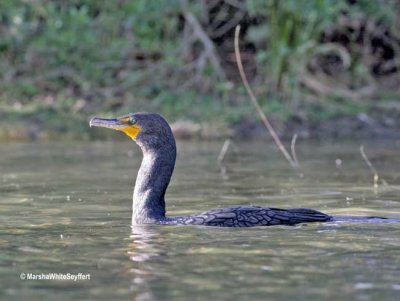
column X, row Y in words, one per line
column 144, row 246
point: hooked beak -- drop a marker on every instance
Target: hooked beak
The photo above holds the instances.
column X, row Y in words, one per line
column 120, row 124
column 111, row 123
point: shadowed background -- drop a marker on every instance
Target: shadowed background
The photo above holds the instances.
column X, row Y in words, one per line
column 319, row 67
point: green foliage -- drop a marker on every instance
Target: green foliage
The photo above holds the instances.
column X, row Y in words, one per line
column 290, row 35
column 123, row 55
column 59, row 43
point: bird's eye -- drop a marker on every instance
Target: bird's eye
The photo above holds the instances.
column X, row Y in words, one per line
column 132, row 120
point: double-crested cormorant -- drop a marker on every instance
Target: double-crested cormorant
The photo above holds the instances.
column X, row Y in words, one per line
column 154, row 136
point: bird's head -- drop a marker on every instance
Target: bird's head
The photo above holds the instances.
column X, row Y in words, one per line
column 146, row 129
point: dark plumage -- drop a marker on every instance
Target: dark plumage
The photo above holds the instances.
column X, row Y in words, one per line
column 250, row 216
column 154, row 136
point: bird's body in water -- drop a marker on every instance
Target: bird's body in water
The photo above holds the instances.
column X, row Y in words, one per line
column 154, row 136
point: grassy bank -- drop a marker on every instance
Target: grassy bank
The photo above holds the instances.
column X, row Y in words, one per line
column 200, row 117
column 311, row 63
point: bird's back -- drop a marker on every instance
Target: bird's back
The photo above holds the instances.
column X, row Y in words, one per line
column 251, row 216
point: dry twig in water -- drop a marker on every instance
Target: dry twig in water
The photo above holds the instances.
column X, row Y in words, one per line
column 293, row 162
column 293, row 149
column 371, row 167
column 223, row 151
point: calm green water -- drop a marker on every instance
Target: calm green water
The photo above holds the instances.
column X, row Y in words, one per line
column 66, row 208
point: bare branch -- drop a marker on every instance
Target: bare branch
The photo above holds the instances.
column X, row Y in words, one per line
column 209, row 48
column 257, row 105
column 219, row 32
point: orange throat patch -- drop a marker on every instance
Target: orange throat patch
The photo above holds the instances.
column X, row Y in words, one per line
column 132, row 130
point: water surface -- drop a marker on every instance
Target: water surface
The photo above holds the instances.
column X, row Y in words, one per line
column 66, row 208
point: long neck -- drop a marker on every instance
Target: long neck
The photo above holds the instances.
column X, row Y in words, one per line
column 151, row 183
